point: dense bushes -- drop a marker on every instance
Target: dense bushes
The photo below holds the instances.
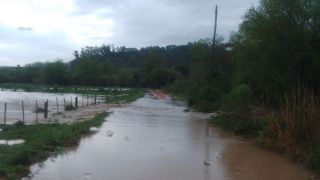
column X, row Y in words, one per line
column 293, row 130
column 296, row 131
column 237, row 100
column 235, row 114
column 242, row 124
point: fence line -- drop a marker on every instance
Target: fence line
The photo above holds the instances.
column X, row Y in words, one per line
column 30, row 111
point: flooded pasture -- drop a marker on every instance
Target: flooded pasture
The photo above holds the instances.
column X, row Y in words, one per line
column 155, row 139
column 30, row 99
column 29, row 106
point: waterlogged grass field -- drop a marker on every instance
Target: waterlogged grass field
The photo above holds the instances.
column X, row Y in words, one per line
column 41, row 140
column 58, row 98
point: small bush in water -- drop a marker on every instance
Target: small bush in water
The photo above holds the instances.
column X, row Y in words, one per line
column 69, row 107
column 39, row 110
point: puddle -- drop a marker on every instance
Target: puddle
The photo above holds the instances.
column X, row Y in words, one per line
column 11, row 142
column 155, row 139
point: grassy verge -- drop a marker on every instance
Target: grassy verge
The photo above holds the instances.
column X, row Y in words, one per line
column 41, row 140
column 132, row 96
column 241, row 124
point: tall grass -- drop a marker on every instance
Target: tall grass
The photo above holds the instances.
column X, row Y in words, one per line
column 297, row 131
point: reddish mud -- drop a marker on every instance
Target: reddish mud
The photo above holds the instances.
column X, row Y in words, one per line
column 158, row 94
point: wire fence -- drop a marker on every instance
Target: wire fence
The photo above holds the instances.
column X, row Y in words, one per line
column 32, row 111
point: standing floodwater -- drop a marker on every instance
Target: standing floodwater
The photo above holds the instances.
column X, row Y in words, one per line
column 155, row 139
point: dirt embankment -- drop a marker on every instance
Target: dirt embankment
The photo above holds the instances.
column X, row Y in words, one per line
column 159, row 94
column 80, row 114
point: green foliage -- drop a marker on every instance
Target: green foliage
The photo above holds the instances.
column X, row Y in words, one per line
column 55, row 73
column 243, row 124
column 128, row 77
column 236, row 115
column 238, row 99
column 131, row 96
column 277, row 46
column 107, row 66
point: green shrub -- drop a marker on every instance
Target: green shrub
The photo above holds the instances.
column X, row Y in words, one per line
column 238, row 99
column 239, row 123
column 69, row 107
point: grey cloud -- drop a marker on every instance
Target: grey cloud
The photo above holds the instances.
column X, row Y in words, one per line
column 92, row 6
column 24, row 28
column 137, row 23
column 161, row 22
column 21, row 48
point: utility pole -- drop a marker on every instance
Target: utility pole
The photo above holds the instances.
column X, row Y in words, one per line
column 211, row 72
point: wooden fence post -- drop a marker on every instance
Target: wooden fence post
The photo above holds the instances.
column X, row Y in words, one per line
column 22, row 111
column 46, row 109
column 5, row 113
column 87, row 100
column 36, row 111
column 76, row 102
column 57, row 104
column 95, row 99
column 64, row 102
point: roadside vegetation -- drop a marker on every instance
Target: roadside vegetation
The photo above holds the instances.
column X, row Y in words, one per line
column 264, row 82
column 272, row 91
column 266, row 86
column 132, row 95
column 41, row 141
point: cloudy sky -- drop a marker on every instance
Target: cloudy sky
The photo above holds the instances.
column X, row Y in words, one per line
column 44, row 30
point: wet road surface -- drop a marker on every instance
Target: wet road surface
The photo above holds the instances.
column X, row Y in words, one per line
column 154, row 139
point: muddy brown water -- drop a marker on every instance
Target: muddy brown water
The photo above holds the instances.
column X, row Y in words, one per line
column 154, row 139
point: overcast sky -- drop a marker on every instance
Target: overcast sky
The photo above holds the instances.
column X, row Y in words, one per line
column 44, row 30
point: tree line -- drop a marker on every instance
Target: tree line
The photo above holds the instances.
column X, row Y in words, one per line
column 107, row 66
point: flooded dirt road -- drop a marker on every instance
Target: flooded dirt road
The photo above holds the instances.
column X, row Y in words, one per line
column 154, row 139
